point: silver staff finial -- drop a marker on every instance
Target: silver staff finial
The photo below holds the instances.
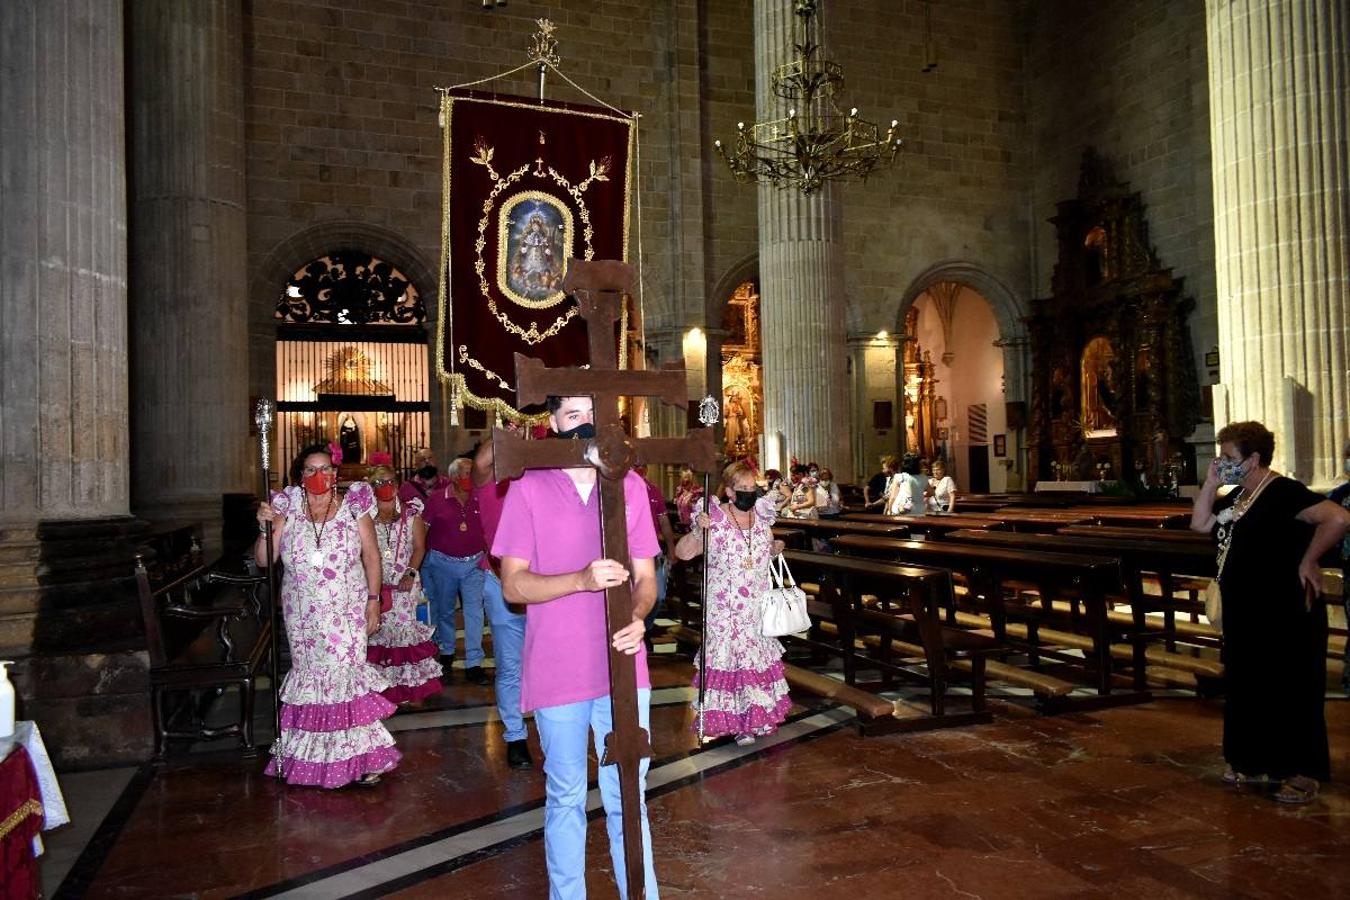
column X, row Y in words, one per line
column 708, row 412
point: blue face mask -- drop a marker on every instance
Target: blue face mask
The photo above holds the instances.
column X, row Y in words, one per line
column 1230, row 472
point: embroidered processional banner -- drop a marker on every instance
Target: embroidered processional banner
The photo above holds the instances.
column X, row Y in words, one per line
column 527, row 187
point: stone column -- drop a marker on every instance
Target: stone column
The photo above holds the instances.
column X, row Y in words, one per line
column 1279, row 78
column 65, row 533
column 801, row 264
column 189, row 310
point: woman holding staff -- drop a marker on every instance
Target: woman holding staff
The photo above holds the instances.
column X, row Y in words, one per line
column 745, row 691
column 331, row 706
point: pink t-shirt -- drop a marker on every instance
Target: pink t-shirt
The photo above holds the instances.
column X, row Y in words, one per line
column 490, row 498
column 545, row 522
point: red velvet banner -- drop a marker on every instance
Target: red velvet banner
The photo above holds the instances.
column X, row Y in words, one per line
column 528, row 186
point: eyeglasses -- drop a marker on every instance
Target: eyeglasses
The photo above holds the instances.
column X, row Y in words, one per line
column 382, row 482
column 324, row 470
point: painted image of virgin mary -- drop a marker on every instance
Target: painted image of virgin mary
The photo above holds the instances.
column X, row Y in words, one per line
column 536, row 262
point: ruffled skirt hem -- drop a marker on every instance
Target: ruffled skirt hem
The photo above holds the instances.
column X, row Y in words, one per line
column 335, row 773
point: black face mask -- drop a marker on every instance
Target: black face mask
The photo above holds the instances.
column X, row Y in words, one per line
column 427, row 473
column 745, row 500
column 583, row 432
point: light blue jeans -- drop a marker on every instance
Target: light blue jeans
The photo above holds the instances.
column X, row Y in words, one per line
column 562, row 733
column 508, row 646
column 444, row 577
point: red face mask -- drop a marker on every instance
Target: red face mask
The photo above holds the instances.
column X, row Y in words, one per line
column 464, row 484
column 386, row 492
column 319, row 483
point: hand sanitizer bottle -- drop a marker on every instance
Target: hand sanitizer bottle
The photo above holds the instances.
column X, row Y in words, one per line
column 6, row 701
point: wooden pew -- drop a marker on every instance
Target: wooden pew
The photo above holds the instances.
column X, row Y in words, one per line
column 1035, row 520
column 828, row 528
column 1171, row 517
column 232, row 654
column 1168, row 560
column 1126, row 532
column 1092, row 579
column 933, row 524
column 907, row 624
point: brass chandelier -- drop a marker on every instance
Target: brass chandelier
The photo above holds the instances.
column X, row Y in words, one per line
column 816, row 142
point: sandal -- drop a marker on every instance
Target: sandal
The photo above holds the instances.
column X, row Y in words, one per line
column 1231, row 776
column 1297, row 790
column 744, row 740
column 370, row 779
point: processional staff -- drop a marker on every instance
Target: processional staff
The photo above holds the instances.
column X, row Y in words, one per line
column 708, row 414
column 263, row 417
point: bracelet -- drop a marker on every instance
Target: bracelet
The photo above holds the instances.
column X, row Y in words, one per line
column 372, row 597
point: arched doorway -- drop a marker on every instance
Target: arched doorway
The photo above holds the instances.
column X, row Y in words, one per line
column 952, row 386
column 351, row 362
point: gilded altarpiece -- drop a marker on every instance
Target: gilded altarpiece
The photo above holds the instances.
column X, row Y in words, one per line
column 742, row 374
column 920, row 392
column 1113, row 381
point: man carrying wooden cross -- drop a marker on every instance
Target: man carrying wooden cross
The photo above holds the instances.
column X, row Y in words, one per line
column 549, row 543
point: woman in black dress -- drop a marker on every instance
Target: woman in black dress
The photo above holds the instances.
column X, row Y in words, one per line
column 1271, row 531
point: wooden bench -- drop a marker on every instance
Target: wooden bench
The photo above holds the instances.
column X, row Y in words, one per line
column 232, row 653
column 909, row 600
column 1089, row 579
column 829, row 528
column 933, row 524
column 1167, row 560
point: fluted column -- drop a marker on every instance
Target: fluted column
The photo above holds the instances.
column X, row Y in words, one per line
column 63, row 293
column 1279, row 78
column 68, row 610
column 801, row 266
column 188, row 274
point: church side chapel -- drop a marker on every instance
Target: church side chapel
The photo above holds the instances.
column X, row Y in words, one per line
column 502, row 448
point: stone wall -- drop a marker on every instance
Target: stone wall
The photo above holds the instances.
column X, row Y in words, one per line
column 1129, row 78
column 342, row 128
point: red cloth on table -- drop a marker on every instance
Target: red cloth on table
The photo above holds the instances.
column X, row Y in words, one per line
column 20, row 821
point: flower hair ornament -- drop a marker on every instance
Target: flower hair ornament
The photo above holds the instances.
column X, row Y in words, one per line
column 381, row 459
column 335, row 452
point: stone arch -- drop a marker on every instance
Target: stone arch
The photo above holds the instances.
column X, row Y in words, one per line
column 1009, row 309
column 326, row 237
column 744, row 269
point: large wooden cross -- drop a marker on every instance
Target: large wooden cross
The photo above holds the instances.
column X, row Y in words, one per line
column 599, row 287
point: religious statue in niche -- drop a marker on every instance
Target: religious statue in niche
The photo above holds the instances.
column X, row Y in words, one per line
column 534, row 251
column 349, row 439
column 1098, row 388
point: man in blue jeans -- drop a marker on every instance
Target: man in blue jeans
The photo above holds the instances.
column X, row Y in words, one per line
column 549, row 544
column 452, row 567
column 508, row 627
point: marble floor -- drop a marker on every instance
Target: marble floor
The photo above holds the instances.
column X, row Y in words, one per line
column 1123, row 802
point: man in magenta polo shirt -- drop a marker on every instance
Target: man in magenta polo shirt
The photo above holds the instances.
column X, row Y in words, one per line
column 548, row 541
column 455, row 547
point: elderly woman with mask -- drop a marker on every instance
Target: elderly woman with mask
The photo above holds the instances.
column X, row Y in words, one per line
column 1271, row 532
column 331, row 702
column 746, row 688
column 402, row 648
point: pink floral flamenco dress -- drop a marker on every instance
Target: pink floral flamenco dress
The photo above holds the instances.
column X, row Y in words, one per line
column 747, row 693
column 331, row 701
column 402, row 648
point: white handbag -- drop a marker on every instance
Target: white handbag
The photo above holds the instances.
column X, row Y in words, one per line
column 784, row 604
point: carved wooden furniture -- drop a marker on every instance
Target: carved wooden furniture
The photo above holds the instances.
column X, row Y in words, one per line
column 1113, row 374
column 231, row 652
